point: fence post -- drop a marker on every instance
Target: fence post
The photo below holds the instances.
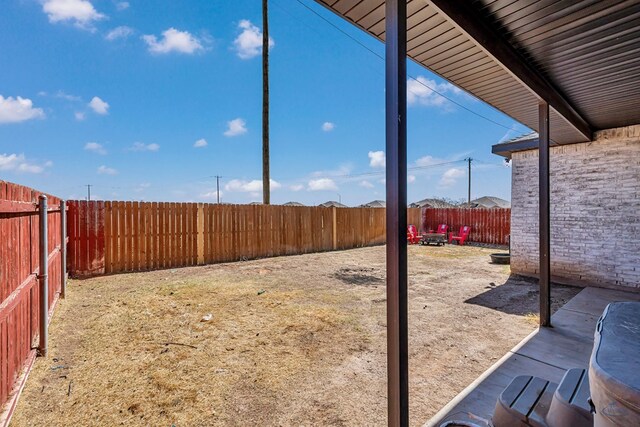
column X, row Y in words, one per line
column 200, row 231
column 335, row 227
column 63, row 248
column 43, row 279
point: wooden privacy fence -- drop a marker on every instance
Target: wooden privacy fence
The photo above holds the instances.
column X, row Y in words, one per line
column 113, row 237
column 26, row 273
column 487, row 225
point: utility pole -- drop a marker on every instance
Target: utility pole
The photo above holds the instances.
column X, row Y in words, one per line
column 265, row 104
column 89, row 192
column 469, row 188
column 218, row 187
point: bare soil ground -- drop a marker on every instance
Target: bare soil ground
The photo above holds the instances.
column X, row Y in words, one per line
column 296, row 340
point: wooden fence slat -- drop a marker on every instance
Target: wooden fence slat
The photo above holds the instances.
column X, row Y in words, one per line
column 135, row 232
column 184, row 249
column 98, row 266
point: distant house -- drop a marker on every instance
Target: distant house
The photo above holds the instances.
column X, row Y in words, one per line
column 488, row 202
column 332, row 204
column 292, row 204
column 431, row 203
column 375, row 204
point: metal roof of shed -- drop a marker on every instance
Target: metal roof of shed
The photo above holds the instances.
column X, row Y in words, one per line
column 584, row 55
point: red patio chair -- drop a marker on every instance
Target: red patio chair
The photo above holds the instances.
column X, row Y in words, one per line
column 462, row 235
column 412, row 235
column 442, row 229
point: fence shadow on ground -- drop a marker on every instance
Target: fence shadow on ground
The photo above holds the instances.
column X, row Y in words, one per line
column 519, row 295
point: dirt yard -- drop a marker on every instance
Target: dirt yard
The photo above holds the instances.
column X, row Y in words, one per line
column 296, row 340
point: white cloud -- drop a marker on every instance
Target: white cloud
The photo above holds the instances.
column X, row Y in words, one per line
column 140, row 146
column 29, row 168
column 249, row 43
column 236, row 127
column 296, row 187
column 104, row 170
column 366, row 184
column 99, row 106
column 419, row 92
column 450, row 177
column 141, row 187
column 411, row 179
column 249, row 186
column 121, row 32
column 377, row 159
column 328, row 126
column 428, row 161
column 80, row 12
column 19, row 163
column 79, row 116
column 173, row 41
column 67, row 97
column 212, row 195
column 322, row 184
column 122, row 5
column 95, row 147
column 10, row 161
column 15, row 110
column 200, row 143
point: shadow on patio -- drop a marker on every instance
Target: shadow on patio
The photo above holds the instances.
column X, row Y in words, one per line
column 520, row 295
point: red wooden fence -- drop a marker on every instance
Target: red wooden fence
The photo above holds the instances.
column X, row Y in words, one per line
column 487, row 225
column 113, row 237
column 19, row 290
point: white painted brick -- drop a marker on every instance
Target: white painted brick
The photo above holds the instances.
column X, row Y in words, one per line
column 595, row 210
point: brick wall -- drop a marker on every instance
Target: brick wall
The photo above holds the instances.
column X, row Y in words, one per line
column 595, row 211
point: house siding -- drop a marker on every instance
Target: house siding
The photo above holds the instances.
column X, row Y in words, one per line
column 595, row 211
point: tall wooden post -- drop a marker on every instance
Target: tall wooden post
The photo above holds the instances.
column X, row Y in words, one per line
column 266, row 190
column 396, row 174
column 545, row 213
column 469, row 186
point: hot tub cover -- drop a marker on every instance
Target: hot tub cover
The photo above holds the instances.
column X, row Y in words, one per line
column 614, row 369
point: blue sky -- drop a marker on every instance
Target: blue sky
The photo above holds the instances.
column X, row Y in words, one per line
column 149, row 100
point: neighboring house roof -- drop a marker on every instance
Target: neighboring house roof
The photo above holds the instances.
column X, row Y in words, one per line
column 528, row 141
column 332, row 204
column 431, row 203
column 489, row 202
column 375, row 204
column 293, row 204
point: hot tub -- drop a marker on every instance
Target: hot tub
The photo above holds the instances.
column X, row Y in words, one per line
column 614, row 368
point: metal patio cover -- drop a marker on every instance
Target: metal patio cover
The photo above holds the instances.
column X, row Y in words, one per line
column 581, row 56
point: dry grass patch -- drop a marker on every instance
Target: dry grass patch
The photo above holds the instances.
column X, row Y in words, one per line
column 294, row 340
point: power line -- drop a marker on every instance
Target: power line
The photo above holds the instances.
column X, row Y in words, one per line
column 410, row 77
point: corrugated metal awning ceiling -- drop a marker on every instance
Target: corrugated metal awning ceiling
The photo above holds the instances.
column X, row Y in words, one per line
column 589, row 50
